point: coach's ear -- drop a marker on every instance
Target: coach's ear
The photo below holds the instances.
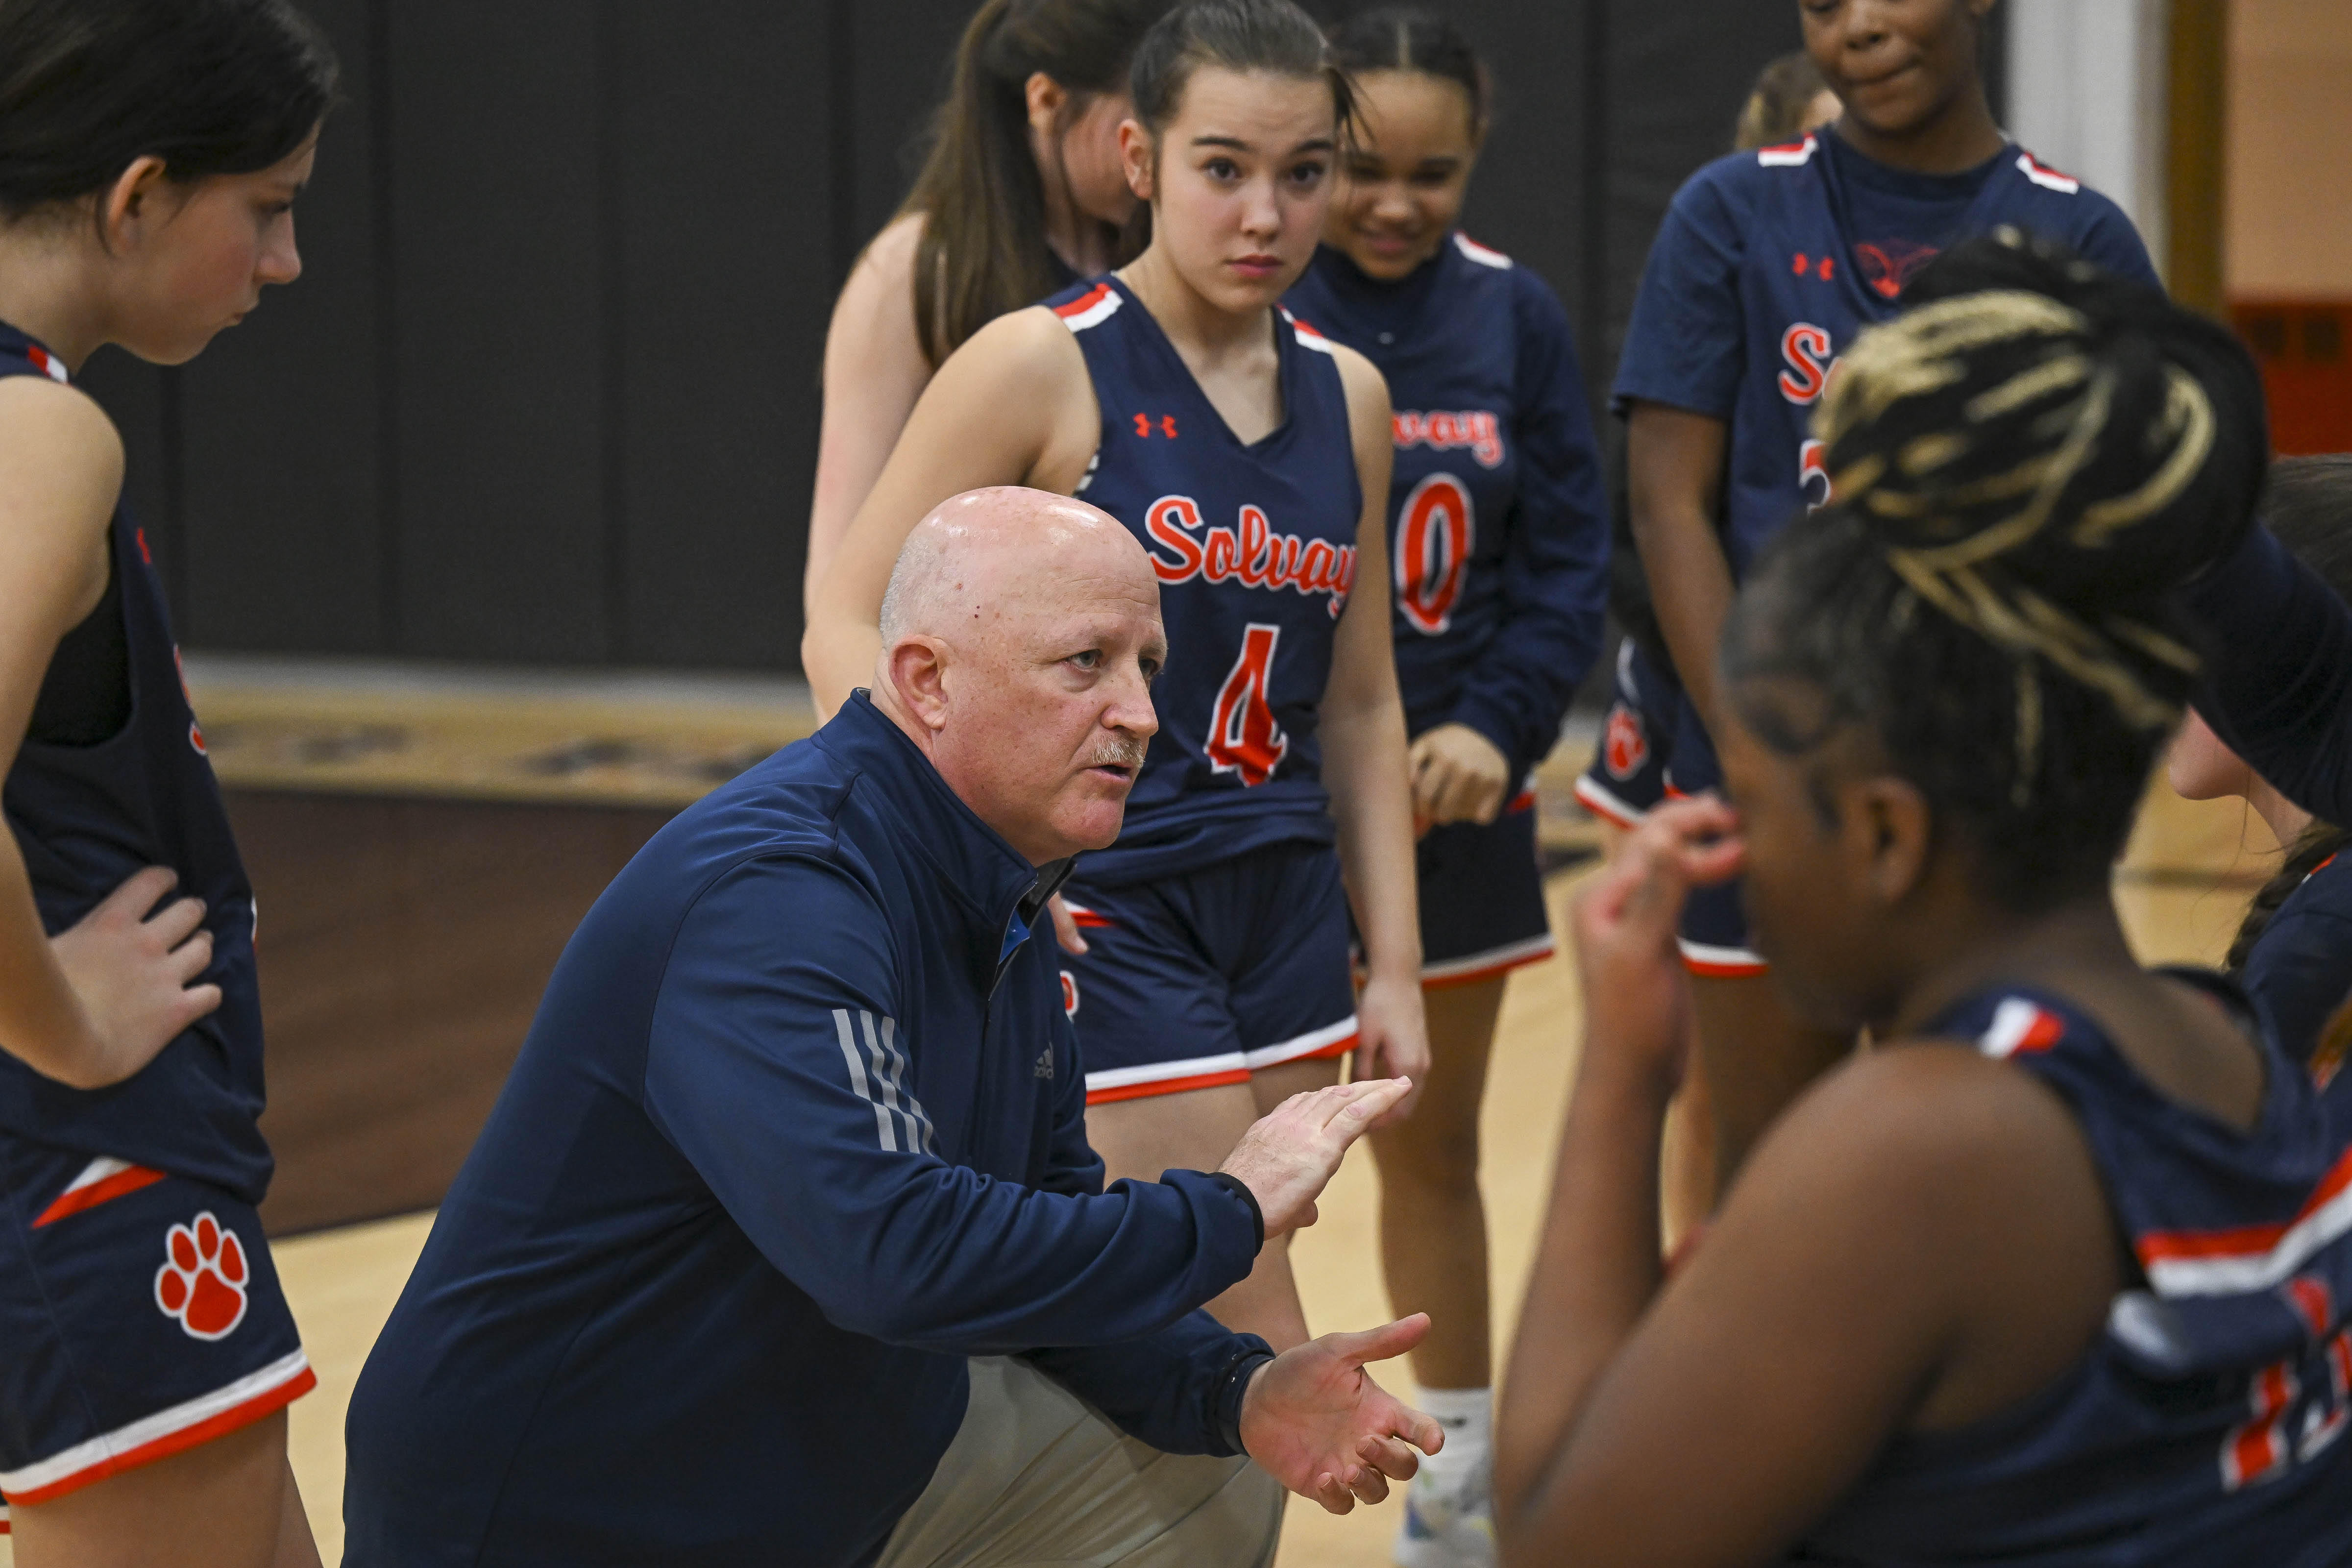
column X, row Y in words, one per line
column 916, row 666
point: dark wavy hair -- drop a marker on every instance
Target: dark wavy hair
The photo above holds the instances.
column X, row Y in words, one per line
column 2024, row 466
column 1411, row 38
column 2309, row 507
column 1272, row 36
column 982, row 252
column 210, row 87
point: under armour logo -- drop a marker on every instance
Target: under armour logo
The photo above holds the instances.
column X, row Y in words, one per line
column 1046, row 1062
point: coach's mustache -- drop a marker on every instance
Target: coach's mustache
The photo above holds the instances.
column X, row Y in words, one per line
column 1118, row 754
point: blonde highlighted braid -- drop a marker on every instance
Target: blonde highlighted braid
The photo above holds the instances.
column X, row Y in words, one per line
column 1936, row 489
column 2038, row 453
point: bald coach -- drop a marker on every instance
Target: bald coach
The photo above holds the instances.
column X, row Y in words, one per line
column 784, row 1243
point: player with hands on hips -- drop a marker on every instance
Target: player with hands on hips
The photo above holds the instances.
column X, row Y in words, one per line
column 1249, row 454
column 150, row 157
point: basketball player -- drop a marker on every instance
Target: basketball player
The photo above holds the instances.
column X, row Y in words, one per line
column 1021, row 194
column 2059, row 1273
column 150, row 156
column 1250, row 454
column 1628, row 772
column 1766, row 267
column 2294, row 952
column 1499, row 533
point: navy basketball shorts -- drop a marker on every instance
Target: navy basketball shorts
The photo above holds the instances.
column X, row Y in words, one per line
column 1628, row 774
column 139, row 1316
column 1482, row 902
column 1713, row 931
column 1197, row 980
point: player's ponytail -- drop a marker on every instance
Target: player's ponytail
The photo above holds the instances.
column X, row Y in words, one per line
column 2024, row 465
column 210, row 87
column 980, row 196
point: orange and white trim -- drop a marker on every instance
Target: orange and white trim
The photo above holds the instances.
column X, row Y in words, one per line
column 1226, row 1066
column 1612, row 809
column 1091, row 309
column 1308, row 336
column 2019, row 1028
column 2048, row 178
column 2245, row 1259
column 1167, row 1078
column 1491, row 964
column 1484, row 254
column 101, row 1181
column 160, row 1436
column 1709, row 962
column 1331, row 1041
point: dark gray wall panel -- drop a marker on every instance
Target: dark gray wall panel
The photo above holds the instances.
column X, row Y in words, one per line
column 497, row 300
column 144, row 401
column 282, row 512
column 1680, row 73
column 900, row 56
column 548, row 391
column 726, row 275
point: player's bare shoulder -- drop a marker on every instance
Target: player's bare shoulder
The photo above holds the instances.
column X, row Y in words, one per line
column 1025, row 368
column 1369, row 408
column 57, row 445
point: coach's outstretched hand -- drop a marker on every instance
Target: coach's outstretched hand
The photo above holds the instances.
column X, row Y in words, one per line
column 1313, row 1419
column 1288, row 1157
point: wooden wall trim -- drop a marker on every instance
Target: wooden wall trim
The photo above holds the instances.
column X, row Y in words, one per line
column 2196, row 130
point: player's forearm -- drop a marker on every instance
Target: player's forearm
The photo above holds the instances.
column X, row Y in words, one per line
column 1691, row 588
column 1372, row 802
column 837, row 654
column 1595, row 1271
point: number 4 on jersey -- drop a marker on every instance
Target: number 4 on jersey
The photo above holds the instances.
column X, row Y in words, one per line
column 1243, row 736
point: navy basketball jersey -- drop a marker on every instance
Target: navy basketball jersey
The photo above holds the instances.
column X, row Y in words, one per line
column 86, row 817
column 2299, row 972
column 1757, row 281
column 1254, row 547
column 2206, row 1424
column 1498, row 523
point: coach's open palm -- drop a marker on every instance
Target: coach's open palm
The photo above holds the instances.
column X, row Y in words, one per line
column 1313, row 1419
column 1288, row 1156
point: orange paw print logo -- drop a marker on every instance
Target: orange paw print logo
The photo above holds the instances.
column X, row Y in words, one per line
column 201, row 1286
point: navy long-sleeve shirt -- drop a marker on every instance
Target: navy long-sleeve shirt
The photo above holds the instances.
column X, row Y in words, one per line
column 799, row 1127
column 2278, row 673
column 1498, row 521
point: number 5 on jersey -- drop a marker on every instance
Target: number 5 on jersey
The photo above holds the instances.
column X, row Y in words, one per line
column 1242, row 735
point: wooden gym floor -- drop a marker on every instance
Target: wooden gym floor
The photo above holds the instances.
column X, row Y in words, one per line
column 422, row 847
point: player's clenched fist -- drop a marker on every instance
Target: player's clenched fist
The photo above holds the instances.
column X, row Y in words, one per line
column 1286, row 1160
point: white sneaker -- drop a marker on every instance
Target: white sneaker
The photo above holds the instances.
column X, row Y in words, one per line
column 1442, row 1530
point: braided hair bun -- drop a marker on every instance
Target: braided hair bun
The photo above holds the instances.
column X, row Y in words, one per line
column 2023, row 465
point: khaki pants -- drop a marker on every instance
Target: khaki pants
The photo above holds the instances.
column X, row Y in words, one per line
column 1037, row 1475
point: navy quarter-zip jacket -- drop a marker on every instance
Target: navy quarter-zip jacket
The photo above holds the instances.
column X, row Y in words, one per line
column 799, row 1127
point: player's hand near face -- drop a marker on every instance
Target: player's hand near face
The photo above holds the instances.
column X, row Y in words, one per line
column 1313, row 1419
column 1289, row 1157
column 1636, row 994
column 1457, row 776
